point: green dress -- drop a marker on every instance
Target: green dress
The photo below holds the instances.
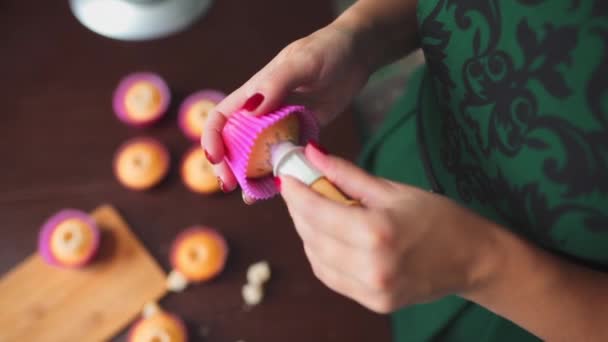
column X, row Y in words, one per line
column 509, row 117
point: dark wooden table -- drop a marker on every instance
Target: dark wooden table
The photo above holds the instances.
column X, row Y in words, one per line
column 58, row 135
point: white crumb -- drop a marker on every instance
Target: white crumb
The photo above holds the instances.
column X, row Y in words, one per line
column 150, row 309
column 258, row 273
column 252, row 294
column 176, row 281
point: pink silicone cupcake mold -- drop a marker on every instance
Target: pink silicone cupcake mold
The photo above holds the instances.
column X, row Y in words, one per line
column 240, row 134
column 80, row 256
column 153, row 92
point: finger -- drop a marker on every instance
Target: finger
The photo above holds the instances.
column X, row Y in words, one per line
column 279, row 79
column 353, row 181
column 225, row 176
column 334, row 280
column 246, row 199
column 357, row 264
column 211, row 140
column 340, row 284
column 262, row 93
column 323, row 216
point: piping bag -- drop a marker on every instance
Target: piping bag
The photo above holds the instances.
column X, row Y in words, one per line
column 260, row 147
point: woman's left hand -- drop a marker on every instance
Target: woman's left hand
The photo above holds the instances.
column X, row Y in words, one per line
column 403, row 246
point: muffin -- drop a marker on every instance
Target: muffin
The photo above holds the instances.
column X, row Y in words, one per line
column 198, row 254
column 158, row 326
column 141, row 99
column 141, row 163
column 70, row 238
column 197, row 172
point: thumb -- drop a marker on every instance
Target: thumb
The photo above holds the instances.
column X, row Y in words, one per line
column 352, row 180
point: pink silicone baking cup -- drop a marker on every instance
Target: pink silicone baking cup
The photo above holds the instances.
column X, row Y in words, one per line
column 126, row 83
column 207, row 94
column 44, row 238
column 240, row 134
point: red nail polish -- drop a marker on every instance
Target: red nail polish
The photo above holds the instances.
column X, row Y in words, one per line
column 222, row 186
column 277, row 183
column 246, row 199
column 317, row 146
column 209, row 158
column 253, row 102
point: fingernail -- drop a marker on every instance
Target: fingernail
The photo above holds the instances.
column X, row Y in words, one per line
column 208, row 156
column 253, row 102
column 246, row 199
column 317, row 146
column 222, row 186
column 277, row 183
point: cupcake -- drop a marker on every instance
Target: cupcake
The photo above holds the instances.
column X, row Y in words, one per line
column 198, row 254
column 141, row 99
column 141, row 163
column 249, row 141
column 70, row 238
column 194, row 111
column 197, row 173
column 157, row 325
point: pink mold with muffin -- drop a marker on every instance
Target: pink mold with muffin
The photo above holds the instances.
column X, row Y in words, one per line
column 81, row 255
column 141, row 99
column 240, row 134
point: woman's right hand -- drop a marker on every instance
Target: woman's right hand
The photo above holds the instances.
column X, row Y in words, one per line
column 322, row 71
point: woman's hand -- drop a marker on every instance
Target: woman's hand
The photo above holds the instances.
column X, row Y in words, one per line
column 321, row 71
column 403, row 246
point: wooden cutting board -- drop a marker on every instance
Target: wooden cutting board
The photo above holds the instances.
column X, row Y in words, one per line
column 39, row 302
